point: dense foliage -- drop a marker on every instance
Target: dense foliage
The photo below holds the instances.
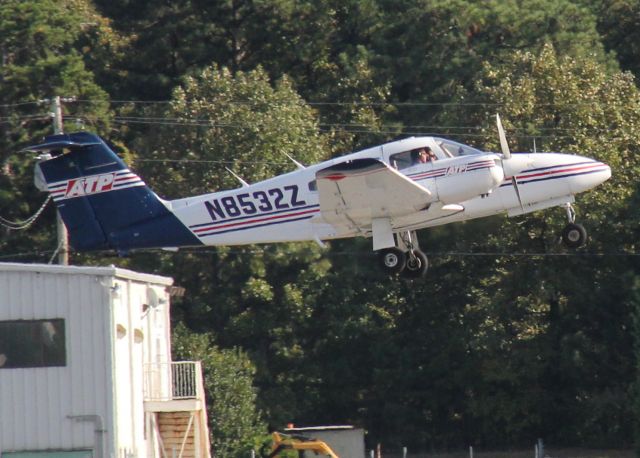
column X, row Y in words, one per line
column 511, row 337
column 228, row 381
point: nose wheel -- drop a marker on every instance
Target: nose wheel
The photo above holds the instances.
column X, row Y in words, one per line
column 574, row 235
column 416, row 265
column 406, row 258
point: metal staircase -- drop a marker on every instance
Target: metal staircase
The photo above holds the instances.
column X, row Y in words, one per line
column 176, row 409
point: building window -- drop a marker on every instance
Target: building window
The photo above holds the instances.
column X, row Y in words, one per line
column 32, row 343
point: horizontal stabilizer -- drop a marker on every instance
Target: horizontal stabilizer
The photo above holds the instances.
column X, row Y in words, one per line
column 62, row 141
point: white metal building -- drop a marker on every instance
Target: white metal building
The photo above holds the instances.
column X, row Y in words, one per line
column 86, row 370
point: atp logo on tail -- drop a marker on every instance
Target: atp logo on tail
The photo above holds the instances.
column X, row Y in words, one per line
column 90, row 185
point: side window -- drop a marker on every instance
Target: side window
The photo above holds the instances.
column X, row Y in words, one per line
column 313, row 186
column 32, row 343
column 453, row 149
column 450, row 149
column 401, row 160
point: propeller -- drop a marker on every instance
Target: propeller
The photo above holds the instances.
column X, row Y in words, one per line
column 509, row 168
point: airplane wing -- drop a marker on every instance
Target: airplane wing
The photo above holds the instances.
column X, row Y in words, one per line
column 357, row 192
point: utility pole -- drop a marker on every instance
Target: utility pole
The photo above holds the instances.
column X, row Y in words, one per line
column 63, row 236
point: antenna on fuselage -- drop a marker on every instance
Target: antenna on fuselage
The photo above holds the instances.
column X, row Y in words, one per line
column 534, row 145
column 299, row 165
column 244, row 183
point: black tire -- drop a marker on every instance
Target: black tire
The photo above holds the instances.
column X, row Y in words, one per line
column 416, row 266
column 574, row 235
column 392, row 260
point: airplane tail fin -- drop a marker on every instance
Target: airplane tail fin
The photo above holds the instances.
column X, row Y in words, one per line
column 103, row 204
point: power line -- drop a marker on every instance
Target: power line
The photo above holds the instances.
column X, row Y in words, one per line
column 19, row 104
column 213, row 161
column 339, row 103
column 25, row 224
column 321, row 128
column 349, row 128
column 25, row 117
column 26, row 254
column 310, row 103
column 302, row 102
column 213, row 123
column 206, row 251
column 352, row 127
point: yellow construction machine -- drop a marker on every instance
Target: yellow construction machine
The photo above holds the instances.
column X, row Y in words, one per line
column 282, row 442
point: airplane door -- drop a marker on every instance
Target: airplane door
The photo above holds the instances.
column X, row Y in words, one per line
column 425, row 175
column 422, row 173
column 426, row 178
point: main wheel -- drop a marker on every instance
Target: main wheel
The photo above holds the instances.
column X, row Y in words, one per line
column 416, row 265
column 393, row 260
column 574, row 235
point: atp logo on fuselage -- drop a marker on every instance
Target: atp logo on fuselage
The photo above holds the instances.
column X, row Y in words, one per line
column 85, row 186
column 456, row 169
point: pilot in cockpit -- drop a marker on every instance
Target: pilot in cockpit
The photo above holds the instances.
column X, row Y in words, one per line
column 423, row 155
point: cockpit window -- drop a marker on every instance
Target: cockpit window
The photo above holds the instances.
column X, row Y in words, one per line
column 454, row 149
column 416, row 156
column 401, row 160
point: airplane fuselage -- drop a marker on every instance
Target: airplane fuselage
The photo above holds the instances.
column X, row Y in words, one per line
column 287, row 207
column 386, row 192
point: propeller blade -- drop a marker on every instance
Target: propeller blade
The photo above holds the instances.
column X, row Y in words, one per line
column 506, row 153
column 510, row 169
column 514, row 181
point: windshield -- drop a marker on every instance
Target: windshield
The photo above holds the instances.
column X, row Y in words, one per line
column 453, row 149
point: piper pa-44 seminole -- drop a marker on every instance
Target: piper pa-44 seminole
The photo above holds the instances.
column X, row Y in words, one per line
column 386, row 192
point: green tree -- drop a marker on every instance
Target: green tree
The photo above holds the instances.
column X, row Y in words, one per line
column 40, row 60
column 426, row 48
column 234, row 421
column 560, row 324
column 459, row 361
column 171, row 40
column 566, row 104
column 238, row 121
column 618, row 25
column 248, row 296
column 490, row 350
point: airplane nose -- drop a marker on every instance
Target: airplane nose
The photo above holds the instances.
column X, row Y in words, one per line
column 605, row 174
column 588, row 174
column 564, row 173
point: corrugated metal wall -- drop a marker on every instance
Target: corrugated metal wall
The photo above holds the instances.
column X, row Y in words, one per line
column 142, row 318
column 103, row 372
column 35, row 402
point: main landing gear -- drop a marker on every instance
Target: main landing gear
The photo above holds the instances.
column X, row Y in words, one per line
column 405, row 257
column 574, row 235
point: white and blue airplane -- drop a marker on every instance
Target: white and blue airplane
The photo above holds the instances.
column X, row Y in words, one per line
column 385, row 192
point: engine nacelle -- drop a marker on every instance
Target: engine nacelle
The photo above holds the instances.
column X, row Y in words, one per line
column 468, row 177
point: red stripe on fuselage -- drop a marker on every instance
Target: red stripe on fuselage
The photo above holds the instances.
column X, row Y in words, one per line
column 252, row 221
column 553, row 172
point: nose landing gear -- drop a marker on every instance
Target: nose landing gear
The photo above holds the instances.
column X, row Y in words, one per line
column 405, row 257
column 574, row 235
column 416, row 265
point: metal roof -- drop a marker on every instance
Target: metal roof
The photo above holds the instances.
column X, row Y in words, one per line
column 105, row 271
column 320, row 428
